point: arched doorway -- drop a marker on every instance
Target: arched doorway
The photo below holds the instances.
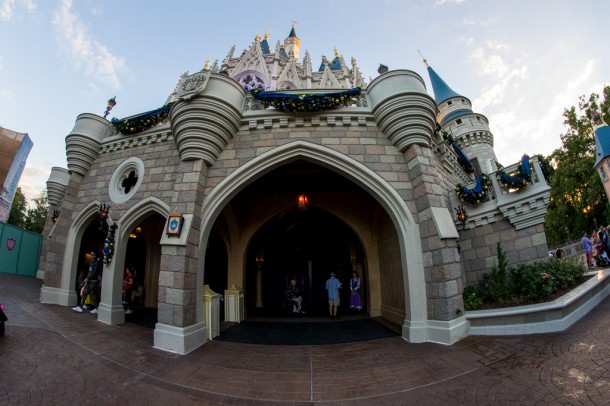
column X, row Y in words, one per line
column 143, row 257
column 305, row 245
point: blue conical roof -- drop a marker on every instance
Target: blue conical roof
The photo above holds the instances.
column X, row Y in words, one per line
column 292, row 33
column 442, row 91
column 602, row 144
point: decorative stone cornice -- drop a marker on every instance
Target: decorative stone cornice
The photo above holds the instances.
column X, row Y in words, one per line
column 57, row 184
column 203, row 125
column 121, row 142
column 83, row 142
column 402, row 108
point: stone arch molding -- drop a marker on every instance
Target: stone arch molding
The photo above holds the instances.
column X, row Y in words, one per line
column 415, row 325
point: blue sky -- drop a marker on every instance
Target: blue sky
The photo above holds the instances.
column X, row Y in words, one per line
column 520, row 62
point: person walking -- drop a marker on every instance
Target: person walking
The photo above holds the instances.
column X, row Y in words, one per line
column 588, row 246
column 90, row 286
column 332, row 287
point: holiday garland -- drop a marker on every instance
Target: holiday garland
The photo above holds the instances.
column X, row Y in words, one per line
column 108, row 249
column 140, row 122
column 304, row 103
column 461, row 157
column 519, row 180
column 477, row 194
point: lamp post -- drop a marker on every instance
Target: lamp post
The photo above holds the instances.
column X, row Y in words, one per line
column 111, row 104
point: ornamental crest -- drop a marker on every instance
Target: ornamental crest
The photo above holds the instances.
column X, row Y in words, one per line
column 193, row 84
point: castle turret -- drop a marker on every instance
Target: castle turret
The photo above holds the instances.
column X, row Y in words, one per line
column 292, row 44
column 469, row 129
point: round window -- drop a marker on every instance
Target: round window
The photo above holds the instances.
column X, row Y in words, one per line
column 126, row 180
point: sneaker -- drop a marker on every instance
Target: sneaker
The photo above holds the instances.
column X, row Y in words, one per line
column 128, row 311
column 78, row 309
column 94, row 311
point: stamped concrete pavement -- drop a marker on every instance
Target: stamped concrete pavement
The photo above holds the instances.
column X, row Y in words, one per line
column 52, row 355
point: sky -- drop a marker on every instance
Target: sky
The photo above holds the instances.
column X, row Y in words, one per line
column 521, row 63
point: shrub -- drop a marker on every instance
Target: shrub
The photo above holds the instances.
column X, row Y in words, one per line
column 530, row 283
column 472, row 299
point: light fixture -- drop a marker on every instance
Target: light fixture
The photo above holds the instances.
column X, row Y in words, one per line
column 111, row 104
column 462, row 215
column 303, row 202
column 132, row 235
column 55, row 217
column 138, row 230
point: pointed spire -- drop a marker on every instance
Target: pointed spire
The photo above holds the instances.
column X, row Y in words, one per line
column 442, row 91
column 424, row 59
column 292, row 32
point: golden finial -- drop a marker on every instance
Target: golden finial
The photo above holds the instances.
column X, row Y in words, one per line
column 336, row 52
column 424, row 59
column 207, row 64
column 266, row 35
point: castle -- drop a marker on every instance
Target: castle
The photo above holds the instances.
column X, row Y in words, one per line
column 264, row 169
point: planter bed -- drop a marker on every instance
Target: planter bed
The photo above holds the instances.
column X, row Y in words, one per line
column 547, row 317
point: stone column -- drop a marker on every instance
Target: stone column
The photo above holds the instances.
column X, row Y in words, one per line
column 206, row 116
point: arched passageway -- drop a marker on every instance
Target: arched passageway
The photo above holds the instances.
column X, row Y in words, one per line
column 305, row 245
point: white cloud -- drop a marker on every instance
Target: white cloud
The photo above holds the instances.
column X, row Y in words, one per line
column 84, row 51
column 33, row 180
column 6, row 10
column 6, row 94
column 30, row 6
column 441, row 2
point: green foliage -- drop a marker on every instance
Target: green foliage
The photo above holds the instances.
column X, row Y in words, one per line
column 37, row 216
column 531, row 283
column 29, row 219
column 18, row 214
column 578, row 200
column 472, row 299
column 496, row 281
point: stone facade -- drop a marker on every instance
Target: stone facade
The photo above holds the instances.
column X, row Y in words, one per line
column 380, row 182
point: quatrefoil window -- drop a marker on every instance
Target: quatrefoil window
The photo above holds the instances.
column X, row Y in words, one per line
column 130, row 181
column 126, row 180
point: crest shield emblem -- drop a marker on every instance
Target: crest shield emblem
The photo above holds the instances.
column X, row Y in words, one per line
column 10, row 243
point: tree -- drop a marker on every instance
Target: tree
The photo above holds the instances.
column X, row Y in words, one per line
column 578, row 200
column 37, row 216
column 18, row 214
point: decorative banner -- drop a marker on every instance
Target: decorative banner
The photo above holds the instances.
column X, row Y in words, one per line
column 174, row 225
column 305, row 103
column 108, row 249
column 140, row 122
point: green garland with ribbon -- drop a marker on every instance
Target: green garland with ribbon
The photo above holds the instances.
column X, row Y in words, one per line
column 477, row 194
column 520, row 179
column 461, row 157
column 304, row 103
column 141, row 122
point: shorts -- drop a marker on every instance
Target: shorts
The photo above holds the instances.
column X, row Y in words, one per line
column 334, row 302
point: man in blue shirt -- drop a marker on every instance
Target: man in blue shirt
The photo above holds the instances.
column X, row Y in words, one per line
column 332, row 287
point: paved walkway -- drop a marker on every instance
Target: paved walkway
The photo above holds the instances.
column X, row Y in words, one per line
column 51, row 355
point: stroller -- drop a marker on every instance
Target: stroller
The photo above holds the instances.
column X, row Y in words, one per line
column 600, row 256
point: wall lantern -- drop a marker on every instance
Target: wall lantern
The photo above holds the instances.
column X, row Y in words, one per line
column 303, row 202
column 462, row 215
column 55, row 215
